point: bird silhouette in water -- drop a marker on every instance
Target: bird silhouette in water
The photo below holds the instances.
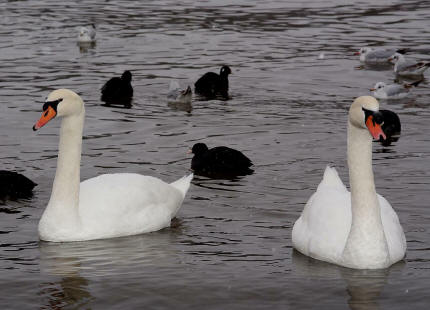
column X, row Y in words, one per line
column 220, row 161
column 212, row 84
column 14, row 185
column 118, row 90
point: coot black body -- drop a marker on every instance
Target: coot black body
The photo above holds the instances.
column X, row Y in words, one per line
column 118, row 90
column 219, row 161
column 212, row 84
column 391, row 127
column 15, row 185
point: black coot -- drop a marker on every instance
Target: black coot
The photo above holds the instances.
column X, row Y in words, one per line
column 219, row 161
column 211, row 84
column 118, row 90
column 15, row 185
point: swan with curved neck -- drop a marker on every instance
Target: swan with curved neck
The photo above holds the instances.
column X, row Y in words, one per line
column 357, row 229
column 107, row 206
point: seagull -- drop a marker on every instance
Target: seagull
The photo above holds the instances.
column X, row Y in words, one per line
column 402, row 66
column 379, row 55
column 176, row 94
column 87, row 34
column 392, row 91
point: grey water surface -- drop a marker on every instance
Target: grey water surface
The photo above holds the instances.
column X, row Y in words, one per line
column 230, row 247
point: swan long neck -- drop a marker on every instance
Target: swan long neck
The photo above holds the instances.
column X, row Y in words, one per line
column 65, row 190
column 366, row 241
column 360, row 170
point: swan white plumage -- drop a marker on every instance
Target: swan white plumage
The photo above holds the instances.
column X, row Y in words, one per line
column 109, row 205
column 358, row 229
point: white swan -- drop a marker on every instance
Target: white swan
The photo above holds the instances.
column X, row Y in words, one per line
column 358, row 229
column 107, row 206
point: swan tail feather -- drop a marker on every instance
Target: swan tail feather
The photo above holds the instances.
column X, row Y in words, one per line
column 331, row 179
column 183, row 184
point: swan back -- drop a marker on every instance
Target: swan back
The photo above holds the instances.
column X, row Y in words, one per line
column 322, row 229
column 121, row 204
column 183, row 184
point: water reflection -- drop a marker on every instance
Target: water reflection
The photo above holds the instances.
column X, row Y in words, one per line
column 70, row 292
column 75, row 262
column 364, row 287
column 376, row 67
column 85, row 47
column 181, row 106
column 125, row 105
column 106, row 257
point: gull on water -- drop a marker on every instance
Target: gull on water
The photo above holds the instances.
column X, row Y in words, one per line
column 392, row 91
column 403, row 66
column 176, row 94
column 379, row 55
column 87, row 34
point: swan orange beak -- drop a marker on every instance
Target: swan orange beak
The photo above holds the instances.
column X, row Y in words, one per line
column 357, row 53
column 47, row 115
column 372, row 89
column 374, row 128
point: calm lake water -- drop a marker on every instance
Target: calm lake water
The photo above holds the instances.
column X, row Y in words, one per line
column 231, row 245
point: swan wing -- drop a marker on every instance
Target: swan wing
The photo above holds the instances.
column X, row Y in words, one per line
column 394, row 234
column 323, row 227
column 113, row 205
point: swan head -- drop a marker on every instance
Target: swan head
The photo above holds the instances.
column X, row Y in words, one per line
column 60, row 102
column 364, row 114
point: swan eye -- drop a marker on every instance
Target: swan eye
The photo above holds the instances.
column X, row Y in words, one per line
column 53, row 104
